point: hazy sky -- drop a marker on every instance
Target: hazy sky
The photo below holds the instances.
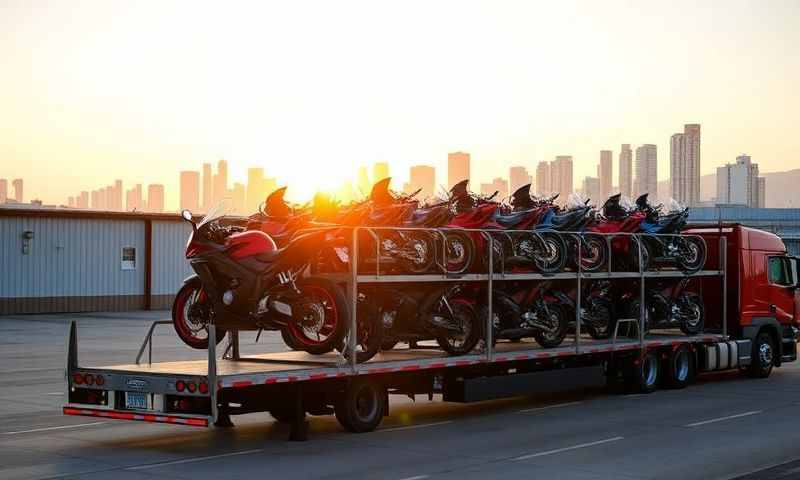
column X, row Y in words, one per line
column 92, row 91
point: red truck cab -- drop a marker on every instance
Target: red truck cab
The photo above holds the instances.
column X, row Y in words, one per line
column 762, row 288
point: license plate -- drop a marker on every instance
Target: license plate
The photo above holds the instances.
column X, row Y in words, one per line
column 136, row 400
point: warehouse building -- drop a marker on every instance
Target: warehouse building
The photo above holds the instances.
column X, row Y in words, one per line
column 59, row 260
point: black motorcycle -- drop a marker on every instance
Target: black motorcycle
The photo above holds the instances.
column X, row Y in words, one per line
column 688, row 252
column 667, row 305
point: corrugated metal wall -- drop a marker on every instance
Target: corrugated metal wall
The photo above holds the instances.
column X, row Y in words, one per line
column 169, row 262
column 69, row 257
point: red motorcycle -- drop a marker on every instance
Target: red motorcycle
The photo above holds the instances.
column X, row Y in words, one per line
column 243, row 281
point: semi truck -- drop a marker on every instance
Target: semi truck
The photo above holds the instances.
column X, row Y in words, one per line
column 749, row 287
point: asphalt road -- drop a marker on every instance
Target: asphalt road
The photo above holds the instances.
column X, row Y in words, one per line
column 725, row 426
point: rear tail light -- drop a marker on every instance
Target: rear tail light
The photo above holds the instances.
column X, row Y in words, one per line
column 191, row 386
column 180, row 385
column 89, row 379
column 99, row 380
column 203, row 388
column 77, row 379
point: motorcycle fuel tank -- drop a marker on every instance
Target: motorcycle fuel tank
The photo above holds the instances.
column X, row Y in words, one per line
column 249, row 243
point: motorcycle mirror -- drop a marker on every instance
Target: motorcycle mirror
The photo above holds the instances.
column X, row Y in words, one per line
column 187, row 215
column 493, row 195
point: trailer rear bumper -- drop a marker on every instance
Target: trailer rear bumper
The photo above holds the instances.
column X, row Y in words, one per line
column 190, row 420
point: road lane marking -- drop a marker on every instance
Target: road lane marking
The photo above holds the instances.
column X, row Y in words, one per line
column 412, row 427
column 47, row 429
column 55, row 393
column 191, row 460
column 418, row 477
column 548, row 407
column 720, row 419
column 566, row 449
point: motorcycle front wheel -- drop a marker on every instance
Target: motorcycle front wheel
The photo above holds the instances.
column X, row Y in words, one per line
column 594, row 252
column 468, row 335
column 692, row 255
column 191, row 314
column 693, row 314
column 557, row 318
column 460, row 252
column 319, row 316
column 421, row 252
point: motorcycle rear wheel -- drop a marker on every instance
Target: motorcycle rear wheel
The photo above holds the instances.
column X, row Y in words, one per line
column 325, row 315
column 460, row 252
column 695, row 257
column 558, row 315
column 594, row 252
column 470, row 335
column 187, row 325
column 693, row 325
column 425, row 250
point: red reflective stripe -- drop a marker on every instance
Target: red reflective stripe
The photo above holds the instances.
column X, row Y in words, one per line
column 564, row 354
column 410, row 368
column 196, row 422
column 462, row 363
column 520, row 357
column 438, row 365
column 317, row 376
column 542, row 355
column 242, row 383
column 501, row 359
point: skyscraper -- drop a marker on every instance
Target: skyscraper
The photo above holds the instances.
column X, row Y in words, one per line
column 239, row 196
column 82, row 201
column 133, row 199
column 457, row 168
column 363, row 181
column 208, row 187
column 155, row 198
column 646, row 171
column 220, row 182
column 739, row 183
column 18, row 193
column 561, row 176
column 626, row 170
column 422, row 177
column 190, row 190
column 592, row 190
column 518, row 177
column 380, row 170
column 3, row 190
column 684, row 159
column 543, row 185
column 499, row 185
column 116, row 196
column 256, row 193
column 605, row 174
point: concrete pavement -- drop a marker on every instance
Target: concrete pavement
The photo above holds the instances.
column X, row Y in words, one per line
column 722, row 427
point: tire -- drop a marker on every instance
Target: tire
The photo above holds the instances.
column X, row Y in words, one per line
column 633, row 312
column 763, row 356
column 369, row 337
column 503, row 249
column 289, row 339
column 550, row 255
column 460, row 250
column 679, row 368
column 558, row 315
column 647, row 250
column 644, row 374
column 695, row 257
column 594, row 253
column 471, row 333
column 603, row 331
column 361, row 406
column 319, row 293
column 696, row 323
column 189, row 328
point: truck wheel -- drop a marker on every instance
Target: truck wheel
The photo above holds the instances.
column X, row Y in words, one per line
column 679, row 368
column 644, row 373
column 762, row 356
column 361, row 406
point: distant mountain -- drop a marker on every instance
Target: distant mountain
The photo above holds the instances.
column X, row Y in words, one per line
column 783, row 188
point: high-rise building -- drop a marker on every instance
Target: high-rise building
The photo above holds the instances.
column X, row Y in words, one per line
column 739, row 184
column 543, row 185
column 762, row 192
column 363, row 181
column 646, row 171
column 18, row 193
column 220, row 182
column 422, row 178
column 684, row 158
column 95, row 197
column 561, row 176
column 256, row 192
column 380, row 170
column 208, row 187
column 190, row 191
column 239, row 199
column 3, row 190
column 518, row 177
column 499, row 185
column 133, row 199
column 605, row 174
column 155, row 198
column 116, row 196
column 457, row 168
column 82, row 201
column 626, row 170
column 592, row 188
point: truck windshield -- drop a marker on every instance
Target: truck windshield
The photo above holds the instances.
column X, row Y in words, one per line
column 780, row 272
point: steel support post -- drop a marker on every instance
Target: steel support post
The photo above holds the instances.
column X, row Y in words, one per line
column 578, row 295
column 642, row 306
column 212, row 369
column 489, row 337
column 353, row 300
column 723, row 258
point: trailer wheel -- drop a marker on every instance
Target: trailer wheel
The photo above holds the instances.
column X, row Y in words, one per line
column 763, row 356
column 361, row 406
column 679, row 369
column 644, row 373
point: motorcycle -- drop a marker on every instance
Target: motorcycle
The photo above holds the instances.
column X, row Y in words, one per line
column 243, row 281
column 598, row 316
column 687, row 252
column 667, row 305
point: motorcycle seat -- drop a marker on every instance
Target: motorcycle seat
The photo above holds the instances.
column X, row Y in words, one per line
column 512, row 219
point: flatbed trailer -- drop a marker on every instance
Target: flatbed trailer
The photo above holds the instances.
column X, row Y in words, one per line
column 291, row 384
